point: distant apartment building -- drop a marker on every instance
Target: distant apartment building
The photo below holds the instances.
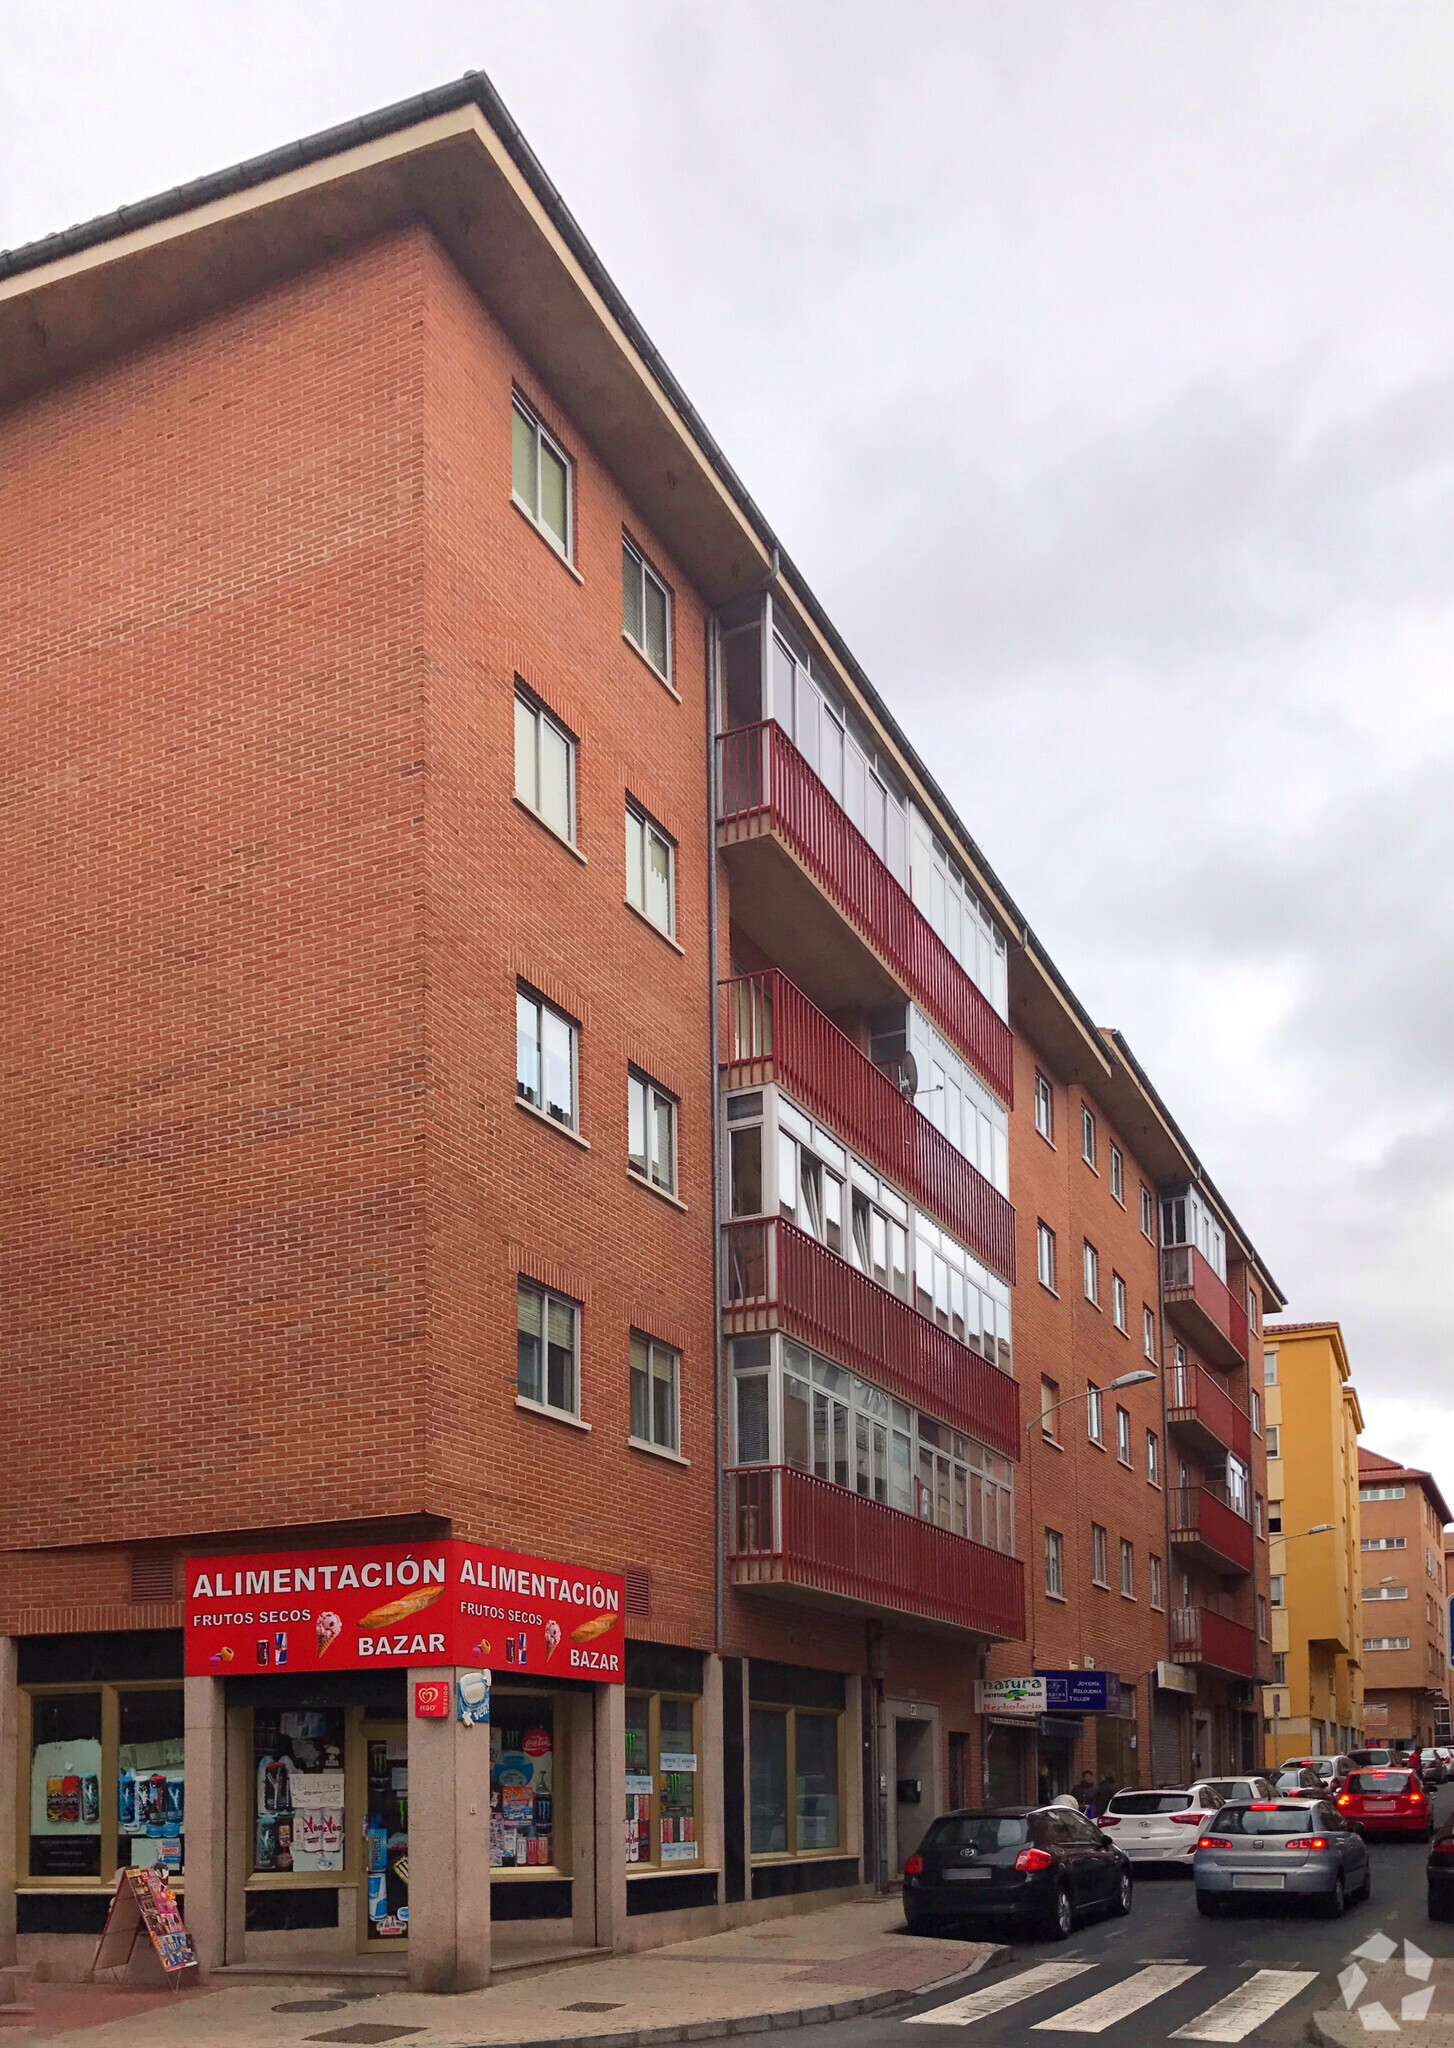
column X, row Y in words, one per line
column 1405, row 1602
column 1314, row 1705
column 1444, row 1715
column 454, row 862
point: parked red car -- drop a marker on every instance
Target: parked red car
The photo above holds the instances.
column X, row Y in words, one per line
column 1386, row 1800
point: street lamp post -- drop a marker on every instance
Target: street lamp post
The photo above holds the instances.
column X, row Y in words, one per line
column 1317, row 1529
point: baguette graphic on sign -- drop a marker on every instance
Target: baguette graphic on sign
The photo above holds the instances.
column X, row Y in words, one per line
column 402, row 1608
column 599, row 1625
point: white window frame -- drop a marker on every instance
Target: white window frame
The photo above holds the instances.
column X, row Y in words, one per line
column 1155, row 1593
column 1091, row 1263
column 1095, row 1413
column 1118, row 1176
column 652, row 1095
column 550, row 1297
column 632, row 556
column 654, row 1352
column 527, row 701
column 1256, row 1411
column 1273, row 1440
column 1269, row 1368
column 1123, row 1435
column 1100, row 1557
column 1088, row 1136
column 1044, row 1108
column 1128, row 1569
column 1118, row 1303
column 1148, row 1214
column 521, row 409
column 1045, row 1255
column 1054, row 1564
column 1148, row 1331
column 1276, row 1587
column 1264, row 1631
column 639, row 819
column 524, row 993
column 1153, row 1458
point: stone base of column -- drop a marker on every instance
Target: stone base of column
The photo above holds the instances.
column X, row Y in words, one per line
column 449, row 1847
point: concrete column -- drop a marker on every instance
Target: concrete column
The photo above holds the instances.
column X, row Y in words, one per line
column 851, row 1772
column 12, row 1789
column 709, row 1775
column 449, row 1848
column 576, row 1760
column 238, row 1839
column 205, row 1727
column 610, row 1816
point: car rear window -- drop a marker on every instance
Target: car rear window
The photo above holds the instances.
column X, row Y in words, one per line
column 1369, row 1756
column 1262, row 1820
column 1150, row 1802
column 981, row 1831
column 1385, row 1782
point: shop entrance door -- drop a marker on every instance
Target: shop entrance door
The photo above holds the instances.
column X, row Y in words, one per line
column 384, row 1894
column 914, row 1804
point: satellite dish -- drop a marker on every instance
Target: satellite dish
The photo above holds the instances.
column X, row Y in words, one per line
column 908, row 1074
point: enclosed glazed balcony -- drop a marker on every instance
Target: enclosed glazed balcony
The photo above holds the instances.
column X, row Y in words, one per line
column 809, row 889
column 1200, row 1636
column 1201, row 1304
column 1205, row 1412
column 778, row 1278
column 1205, row 1526
column 772, row 1033
column 796, row 1534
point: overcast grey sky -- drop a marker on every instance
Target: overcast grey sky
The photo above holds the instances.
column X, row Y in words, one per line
column 1097, row 365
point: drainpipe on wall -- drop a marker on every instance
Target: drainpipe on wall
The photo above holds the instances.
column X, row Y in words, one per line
column 1169, row 1590
column 719, row 1448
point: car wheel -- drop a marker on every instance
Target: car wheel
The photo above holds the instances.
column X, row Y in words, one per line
column 1209, row 1905
column 1335, row 1905
column 1365, row 1891
column 1061, row 1918
column 1121, row 1897
column 1439, row 1908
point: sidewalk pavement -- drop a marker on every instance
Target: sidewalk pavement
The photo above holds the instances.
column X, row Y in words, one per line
column 830, row 1964
column 1411, row 2008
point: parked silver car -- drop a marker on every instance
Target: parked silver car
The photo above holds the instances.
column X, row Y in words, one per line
column 1301, row 1848
column 1161, row 1826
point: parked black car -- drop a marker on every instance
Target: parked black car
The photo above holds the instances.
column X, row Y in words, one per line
column 1037, row 1866
column 1440, row 1869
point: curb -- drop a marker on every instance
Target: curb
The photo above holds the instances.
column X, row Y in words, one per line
column 757, row 2022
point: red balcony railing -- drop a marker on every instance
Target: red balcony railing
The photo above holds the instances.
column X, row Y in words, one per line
column 777, row 1277
column 1196, row 1402
column 771, row 1032
column 790, row 1528
column 1198, row 1299
column 1210, row 1527
column 1198, row 1636
column 767, row 786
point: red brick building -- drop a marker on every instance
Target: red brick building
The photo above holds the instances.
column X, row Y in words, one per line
column 1402, row 1514
column 388, row 647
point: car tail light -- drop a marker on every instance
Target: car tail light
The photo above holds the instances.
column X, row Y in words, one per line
column 1215, row 1842
column 1444, row 1847
column 1416, row 1797
column 1188, row 1820
column 1308, row 1842
column 1345, row 1798
column 914, row 1867
column 1034, row 1859
column 1109, row 1820
column 1265, row 1805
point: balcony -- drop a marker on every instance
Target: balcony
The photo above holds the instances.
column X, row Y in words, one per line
column 1200, row 1304
column 1206, row 1526
column 1197, row 1404
column 1199, row 1636
column 797, row 1534
column 777, row 1277
column 793, row 852
column 771, row 1032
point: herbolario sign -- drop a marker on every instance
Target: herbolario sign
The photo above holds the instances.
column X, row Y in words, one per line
column 402, row 1604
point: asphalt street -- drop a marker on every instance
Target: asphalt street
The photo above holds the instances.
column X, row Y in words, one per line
column 1256, row 1977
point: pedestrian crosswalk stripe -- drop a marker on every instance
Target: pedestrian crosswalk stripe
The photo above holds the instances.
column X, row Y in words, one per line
column 1093, row 2015
column 1234, row 2017
column 993, row 1998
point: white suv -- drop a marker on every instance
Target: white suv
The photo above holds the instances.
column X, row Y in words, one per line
column 1163, row 1826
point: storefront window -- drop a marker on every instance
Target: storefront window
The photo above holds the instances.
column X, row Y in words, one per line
column 816, row 1774
column 769, row 1781
column 65, row 1785
column 795, row 1747
column 298, row 1811
column 663, row 1823
column 150, row 1780
column 523, row 1819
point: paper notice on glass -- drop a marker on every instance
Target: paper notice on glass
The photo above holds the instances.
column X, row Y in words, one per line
column 316, row 1790
column 679, row 1852
column 678, row 1760
column 638, row 1787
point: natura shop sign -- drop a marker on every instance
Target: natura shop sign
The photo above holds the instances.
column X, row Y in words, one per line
column 396, row 1604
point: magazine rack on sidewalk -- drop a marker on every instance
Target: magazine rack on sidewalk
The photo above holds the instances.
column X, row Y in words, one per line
column 144, row 1900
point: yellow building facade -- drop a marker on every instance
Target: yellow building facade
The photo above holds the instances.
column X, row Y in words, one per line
column 1314, row 1707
